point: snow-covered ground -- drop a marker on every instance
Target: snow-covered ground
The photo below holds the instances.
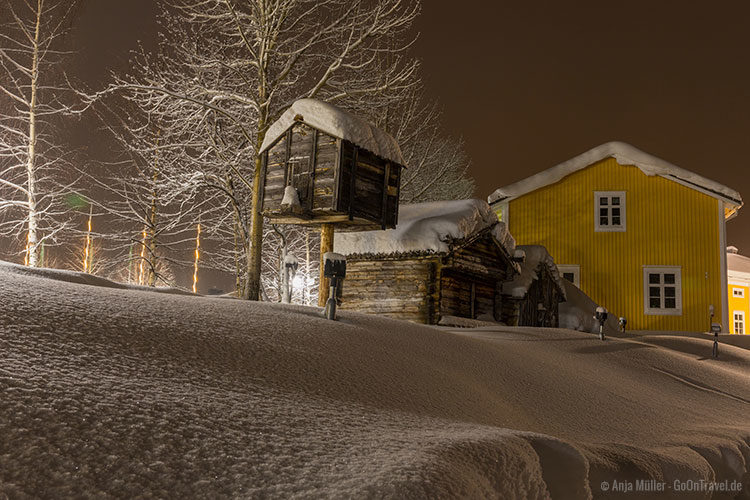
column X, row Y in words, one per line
column 112, row 391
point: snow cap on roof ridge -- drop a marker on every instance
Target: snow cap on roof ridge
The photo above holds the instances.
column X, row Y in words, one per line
column 337, row 123
column 427, row 227
column 625, row 154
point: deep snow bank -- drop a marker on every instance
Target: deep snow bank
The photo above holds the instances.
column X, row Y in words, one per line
column 109, row 391
column 577, row 312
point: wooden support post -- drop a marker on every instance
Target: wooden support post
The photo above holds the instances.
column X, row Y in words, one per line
column 326, row 245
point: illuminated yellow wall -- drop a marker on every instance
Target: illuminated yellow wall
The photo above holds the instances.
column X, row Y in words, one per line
column 668, row 224
column 739, row 304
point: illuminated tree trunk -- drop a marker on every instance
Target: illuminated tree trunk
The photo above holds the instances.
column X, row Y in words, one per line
column 152, row 254
column 197, row 258
column 252, row 291
column 88, row 254
column 32, row 240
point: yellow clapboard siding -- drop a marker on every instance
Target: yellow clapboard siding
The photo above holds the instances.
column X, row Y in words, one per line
column 667, row 224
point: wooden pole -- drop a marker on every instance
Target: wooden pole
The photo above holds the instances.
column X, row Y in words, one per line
column 326, row 245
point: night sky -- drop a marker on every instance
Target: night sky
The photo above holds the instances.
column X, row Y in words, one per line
column 531, row 84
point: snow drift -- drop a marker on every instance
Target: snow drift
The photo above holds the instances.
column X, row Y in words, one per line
column 577, row 312
column 119, row 392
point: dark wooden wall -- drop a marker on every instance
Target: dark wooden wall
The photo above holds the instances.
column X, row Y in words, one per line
column 320, row 167
column 525, row 312
column 402, row 289
column 466, row 296
column 462, row 283
column 292, row 161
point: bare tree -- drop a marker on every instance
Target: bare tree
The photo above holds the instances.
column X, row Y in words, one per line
column 437, row 164
column 242, row 63
column 30, row 97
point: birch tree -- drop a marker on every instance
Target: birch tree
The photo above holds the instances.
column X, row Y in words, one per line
column 243, row 62
column 30, row 63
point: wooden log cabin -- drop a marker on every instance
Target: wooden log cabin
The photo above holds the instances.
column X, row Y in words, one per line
column 444, row 259
column 532, row 298
column 324, row 165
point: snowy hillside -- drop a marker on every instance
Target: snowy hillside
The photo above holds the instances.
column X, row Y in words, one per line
column 109, row 391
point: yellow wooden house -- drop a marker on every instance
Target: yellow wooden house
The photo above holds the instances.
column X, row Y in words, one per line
column 640, row 236
column 738, row 273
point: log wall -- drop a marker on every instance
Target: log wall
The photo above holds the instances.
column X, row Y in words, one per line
column 465, row 296
column 402, row 289
column 321, row 168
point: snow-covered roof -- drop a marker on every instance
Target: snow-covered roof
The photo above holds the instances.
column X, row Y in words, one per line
column 738, row 264
column 625, row 154
column 337, row 123
column 427, row 227
column 536, row 257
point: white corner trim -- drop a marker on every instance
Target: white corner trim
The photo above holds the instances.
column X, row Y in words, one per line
column 723, row 269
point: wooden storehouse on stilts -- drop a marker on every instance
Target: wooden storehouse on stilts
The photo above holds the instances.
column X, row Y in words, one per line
column 531, row 298
column 444, row 259
column 324, row 166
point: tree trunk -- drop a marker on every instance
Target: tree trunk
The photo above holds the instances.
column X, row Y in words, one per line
column 152, row 258
column 326, row 245
column 252, row 291
column 32, row 242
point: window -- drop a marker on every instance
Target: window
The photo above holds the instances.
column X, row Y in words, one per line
column 609, row 211
column 739, row 322
column 738, row 292
column 571, row 273
column 662, row 290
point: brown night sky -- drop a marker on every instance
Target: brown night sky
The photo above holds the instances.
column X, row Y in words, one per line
column 531, row 84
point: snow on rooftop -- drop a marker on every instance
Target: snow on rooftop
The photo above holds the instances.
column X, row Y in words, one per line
column 738, row 263
column 625, row 154
column 426, row 227
column 337, row 123
column 535, row 258
column 113, row 392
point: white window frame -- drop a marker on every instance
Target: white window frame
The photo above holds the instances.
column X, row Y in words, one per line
column 574, row 269
column 741, row 321
column 661, row 311
column 738, row 292
column 598, row 195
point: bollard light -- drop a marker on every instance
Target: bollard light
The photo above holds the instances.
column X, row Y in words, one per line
column 334, row 268
column 601, row 317
column 715, row 328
